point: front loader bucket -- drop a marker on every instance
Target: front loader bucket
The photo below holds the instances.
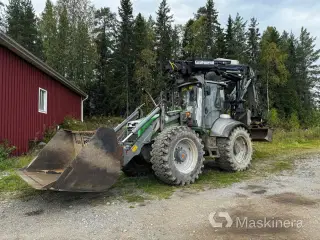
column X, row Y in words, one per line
column 261, row 134
column 76, row 162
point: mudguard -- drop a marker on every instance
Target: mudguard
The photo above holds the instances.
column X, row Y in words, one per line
column 223, row 127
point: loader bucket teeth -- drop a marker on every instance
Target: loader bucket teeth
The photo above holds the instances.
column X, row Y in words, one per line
column 76, row 162
column 261, row 134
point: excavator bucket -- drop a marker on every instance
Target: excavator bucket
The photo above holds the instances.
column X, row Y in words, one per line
column 76, row 162
column 261, row 134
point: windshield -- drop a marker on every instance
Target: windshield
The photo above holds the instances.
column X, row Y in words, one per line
column 189, row 96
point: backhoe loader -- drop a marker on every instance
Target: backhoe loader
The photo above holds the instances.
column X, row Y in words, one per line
column 215, row 114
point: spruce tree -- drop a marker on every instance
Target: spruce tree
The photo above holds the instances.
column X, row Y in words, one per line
column 14, row 15
column 31, row 38
column 187, row 40
column 163, row 34
column 101, row 90
column 22, row 25
column 239, row 34
column 202, row 12
column 2, row 17
column 220, row 44
column 287, row 101
column 308, row 68
column 125, row 57
column 63, row 40
column 176, row 42
column 230, row 39
column 211, row 29
column 144, row 59
column 48, row 31
column 253, row 39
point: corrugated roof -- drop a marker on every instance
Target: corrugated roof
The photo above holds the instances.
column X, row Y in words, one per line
column 12, row 45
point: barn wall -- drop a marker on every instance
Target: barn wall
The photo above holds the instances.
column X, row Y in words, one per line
column 20, row 120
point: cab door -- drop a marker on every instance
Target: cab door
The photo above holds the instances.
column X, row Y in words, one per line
column 212, row 104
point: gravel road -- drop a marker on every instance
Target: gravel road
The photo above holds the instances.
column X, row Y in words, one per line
column 291, row 197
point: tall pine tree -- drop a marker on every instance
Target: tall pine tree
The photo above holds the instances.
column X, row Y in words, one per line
column 101, row 90
column 22, row 25
column 48, row 31
column 176, row 41
column 253, row 40
column 63, row 40
column 187, row 40
column 124, row 60
column 230, row 39
column 163, row 34
column 144, row 58
column 308, row 69
column 2, row 17
column 220, row 43
column 212, row 25
column 239, row 34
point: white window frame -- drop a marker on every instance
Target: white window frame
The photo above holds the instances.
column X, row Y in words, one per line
column 45, row 103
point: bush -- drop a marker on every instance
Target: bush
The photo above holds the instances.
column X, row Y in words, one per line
column 313, row 119
column 49, row 133
column 70, row 123
column 273, row 118
column 90, row 124
column 296, row 136
column 5, row 150
column 293, row 122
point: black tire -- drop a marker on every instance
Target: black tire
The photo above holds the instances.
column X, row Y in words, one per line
column 230, row 158
column 165, row 161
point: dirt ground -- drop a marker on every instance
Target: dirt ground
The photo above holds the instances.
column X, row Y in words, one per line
column 289, row 200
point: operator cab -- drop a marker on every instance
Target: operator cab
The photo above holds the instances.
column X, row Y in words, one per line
column 201, row 103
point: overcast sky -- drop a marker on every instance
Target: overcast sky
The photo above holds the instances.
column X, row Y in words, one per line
column 284, row 14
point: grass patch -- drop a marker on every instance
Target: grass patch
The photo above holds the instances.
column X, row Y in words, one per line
column 11, row 182
column 214, row 178
column 148, row 185
column 15, row 163
column 134, row 198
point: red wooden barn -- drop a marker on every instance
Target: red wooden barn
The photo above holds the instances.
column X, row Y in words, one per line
column 33, row 96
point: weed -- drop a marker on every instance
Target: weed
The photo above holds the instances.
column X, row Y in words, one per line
column 49, row 133
column 90, row 124
column 5, row 150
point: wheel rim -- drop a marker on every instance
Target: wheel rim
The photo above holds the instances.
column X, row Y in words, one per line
column 240, row 149
column 185, row 155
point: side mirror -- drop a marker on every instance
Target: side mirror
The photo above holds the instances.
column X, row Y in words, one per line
column 207, row 90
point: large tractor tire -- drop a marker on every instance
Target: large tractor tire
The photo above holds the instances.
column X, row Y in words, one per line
column 235, row 151
column 177, row 156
